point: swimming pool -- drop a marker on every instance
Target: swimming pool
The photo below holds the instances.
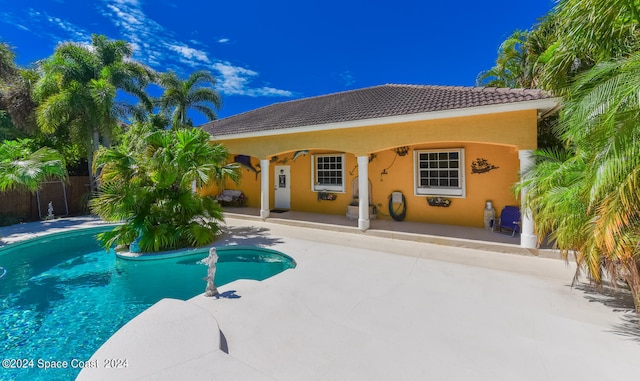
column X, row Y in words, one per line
column 62, row 296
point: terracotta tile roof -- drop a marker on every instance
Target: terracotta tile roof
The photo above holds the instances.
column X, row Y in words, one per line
column 372, row 102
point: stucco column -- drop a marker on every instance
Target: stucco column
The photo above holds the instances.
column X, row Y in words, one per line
column 264, row 189
column 363, row 189
column 527, row 238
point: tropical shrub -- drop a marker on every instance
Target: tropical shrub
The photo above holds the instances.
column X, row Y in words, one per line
column 24, row 167
column 587, row 198
column 584, row 193
column 8, row 219
column 147, row 183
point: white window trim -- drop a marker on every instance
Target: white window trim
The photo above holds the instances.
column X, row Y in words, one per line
column 427, row 191
column 327, row 188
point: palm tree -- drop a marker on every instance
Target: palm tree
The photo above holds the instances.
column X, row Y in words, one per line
column 523, row 55
column 588, row 32
column 8, row 71
column 179, row 96
column 17, row 100
column 7, row 64
column 78, row 88
column 556, row 197
column 602, row 118
column 588, row 200
column 511, row 65
column 572, row 38
column 146, row 182
column 584, row 195
column 23, row 168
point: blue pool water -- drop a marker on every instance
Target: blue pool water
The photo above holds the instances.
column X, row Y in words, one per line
column 62, row 296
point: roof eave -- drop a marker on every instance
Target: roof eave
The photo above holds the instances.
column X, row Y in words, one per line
column 542, row 105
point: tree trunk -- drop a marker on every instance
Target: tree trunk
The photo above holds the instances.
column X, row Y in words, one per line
column 107, row 138
column 92, row 178
column 96, row 139
column 91, row 150
column 632, row 268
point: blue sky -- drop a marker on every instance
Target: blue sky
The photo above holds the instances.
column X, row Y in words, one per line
column 263, row 52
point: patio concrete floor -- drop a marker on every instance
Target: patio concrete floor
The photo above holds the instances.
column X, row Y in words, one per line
column 364, row 306
column 449, row 235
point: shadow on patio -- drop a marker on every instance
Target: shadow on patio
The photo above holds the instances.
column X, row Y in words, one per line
column 450, row 235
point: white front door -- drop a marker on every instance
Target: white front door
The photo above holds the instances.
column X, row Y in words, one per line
column 282, row 183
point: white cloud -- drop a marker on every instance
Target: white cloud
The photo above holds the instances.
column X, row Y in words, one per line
column 42, row 24
column 158, row 47
column 270, row 92
column 347, row 77
column 152, row 43
column 190, row 53
column 10, row 19
column 76, row 32
column 235, row 80
column 145, row 35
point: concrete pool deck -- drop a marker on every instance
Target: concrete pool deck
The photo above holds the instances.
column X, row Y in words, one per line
column 364, row 307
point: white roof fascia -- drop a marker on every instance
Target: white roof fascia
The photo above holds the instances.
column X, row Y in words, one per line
column 540, row 104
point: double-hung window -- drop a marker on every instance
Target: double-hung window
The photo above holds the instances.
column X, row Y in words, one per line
column 439, row 172
column 328, row 172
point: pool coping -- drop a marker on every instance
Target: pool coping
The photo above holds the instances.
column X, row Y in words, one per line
column 30, row 240
column 178, row 253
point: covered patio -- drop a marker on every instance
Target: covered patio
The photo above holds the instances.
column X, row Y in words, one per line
column 434, row 154
column 439, row 234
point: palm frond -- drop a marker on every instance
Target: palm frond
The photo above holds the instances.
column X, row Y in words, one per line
column 23, row 168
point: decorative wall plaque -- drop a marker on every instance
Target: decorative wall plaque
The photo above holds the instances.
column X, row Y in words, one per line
column 481, row 165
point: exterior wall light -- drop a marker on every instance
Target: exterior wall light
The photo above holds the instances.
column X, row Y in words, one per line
column 401, row 151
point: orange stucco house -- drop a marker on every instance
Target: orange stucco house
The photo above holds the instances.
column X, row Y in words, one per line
column 431, row 154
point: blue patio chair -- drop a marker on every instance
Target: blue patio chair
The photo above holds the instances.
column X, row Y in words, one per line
column 509, row 219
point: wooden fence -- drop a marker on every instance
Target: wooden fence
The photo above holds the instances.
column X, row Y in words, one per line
column 24, row 205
